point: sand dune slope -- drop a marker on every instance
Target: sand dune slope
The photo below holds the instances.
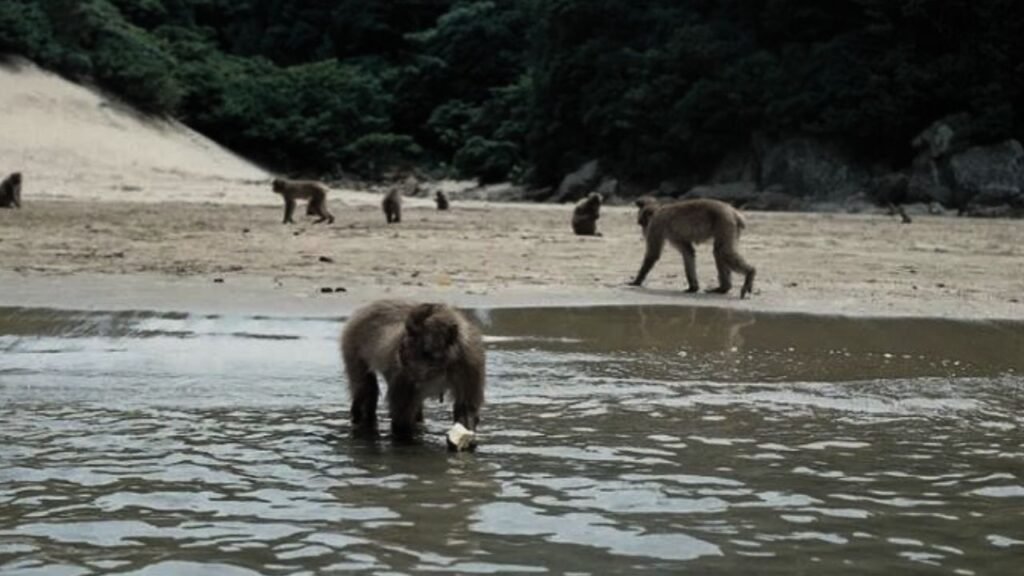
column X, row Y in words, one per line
column 73, row 142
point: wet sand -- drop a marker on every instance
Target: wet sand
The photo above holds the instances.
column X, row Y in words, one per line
column 216, row 257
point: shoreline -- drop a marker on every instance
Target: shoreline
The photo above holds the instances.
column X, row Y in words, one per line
column 269, row 297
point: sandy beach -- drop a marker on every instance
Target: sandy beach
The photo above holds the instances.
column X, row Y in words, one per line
column 115, row 254
column 122, row 211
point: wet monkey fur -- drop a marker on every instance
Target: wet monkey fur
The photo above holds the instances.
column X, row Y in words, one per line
column 422, row 350
column 689, row 222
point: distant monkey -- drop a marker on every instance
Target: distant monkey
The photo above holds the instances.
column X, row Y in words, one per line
column 442, row 200
column 392, row 205
column 895, row 209
column 585, row 215
column 10, row 191
column 686, row 223
column 422, row 351
column 314, row 193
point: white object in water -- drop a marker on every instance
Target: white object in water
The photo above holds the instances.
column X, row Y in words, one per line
column 460, row 437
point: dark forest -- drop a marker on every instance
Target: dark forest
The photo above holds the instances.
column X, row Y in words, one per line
column 528, row 90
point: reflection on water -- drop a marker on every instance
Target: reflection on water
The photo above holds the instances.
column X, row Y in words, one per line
column 615, row 440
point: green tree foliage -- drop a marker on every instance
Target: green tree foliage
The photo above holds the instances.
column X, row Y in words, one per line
column 309, row 112
column 25, row 29
column 373, row 154
column 487, row 160
column 464, row 84
column 498, row 89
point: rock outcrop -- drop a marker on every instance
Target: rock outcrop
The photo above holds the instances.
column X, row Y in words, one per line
column 578, row 184
column 965, row 177
column 812, row 169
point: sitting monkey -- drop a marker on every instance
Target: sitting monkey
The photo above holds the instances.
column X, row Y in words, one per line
column 10, row 191
column 585, row 215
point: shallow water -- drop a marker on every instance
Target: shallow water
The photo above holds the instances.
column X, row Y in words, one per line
column 615, row 440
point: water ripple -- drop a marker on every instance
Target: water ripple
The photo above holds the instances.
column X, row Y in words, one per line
column 147, row 444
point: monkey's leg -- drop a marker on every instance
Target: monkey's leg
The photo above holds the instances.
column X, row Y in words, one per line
column 364, row 391
column 724, row 272
column 468, row 395
column 651, row 257
column 737, row 263
column 289, row 209
column 466, row 413
column 316, row 207
column 398, row 214
column 690, row 265
column 645, row 269
column 403, row 404
column 748, row 283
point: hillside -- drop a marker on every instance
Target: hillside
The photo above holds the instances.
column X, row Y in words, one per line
column 666, row 92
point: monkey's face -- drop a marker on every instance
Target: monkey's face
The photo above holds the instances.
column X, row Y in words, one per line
column 16, row 178
column 278, row 185
column 643, row 218
column 434, row 341
column 430, row 336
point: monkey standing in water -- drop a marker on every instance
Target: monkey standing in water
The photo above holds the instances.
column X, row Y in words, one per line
column 686, row 223
column 314, row 193
column 10, row 191
column 422, row 351
column 392, row 205
column 585, row 215
column 442, row 200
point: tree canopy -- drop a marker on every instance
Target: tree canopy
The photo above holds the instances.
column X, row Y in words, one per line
column 530, row 89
